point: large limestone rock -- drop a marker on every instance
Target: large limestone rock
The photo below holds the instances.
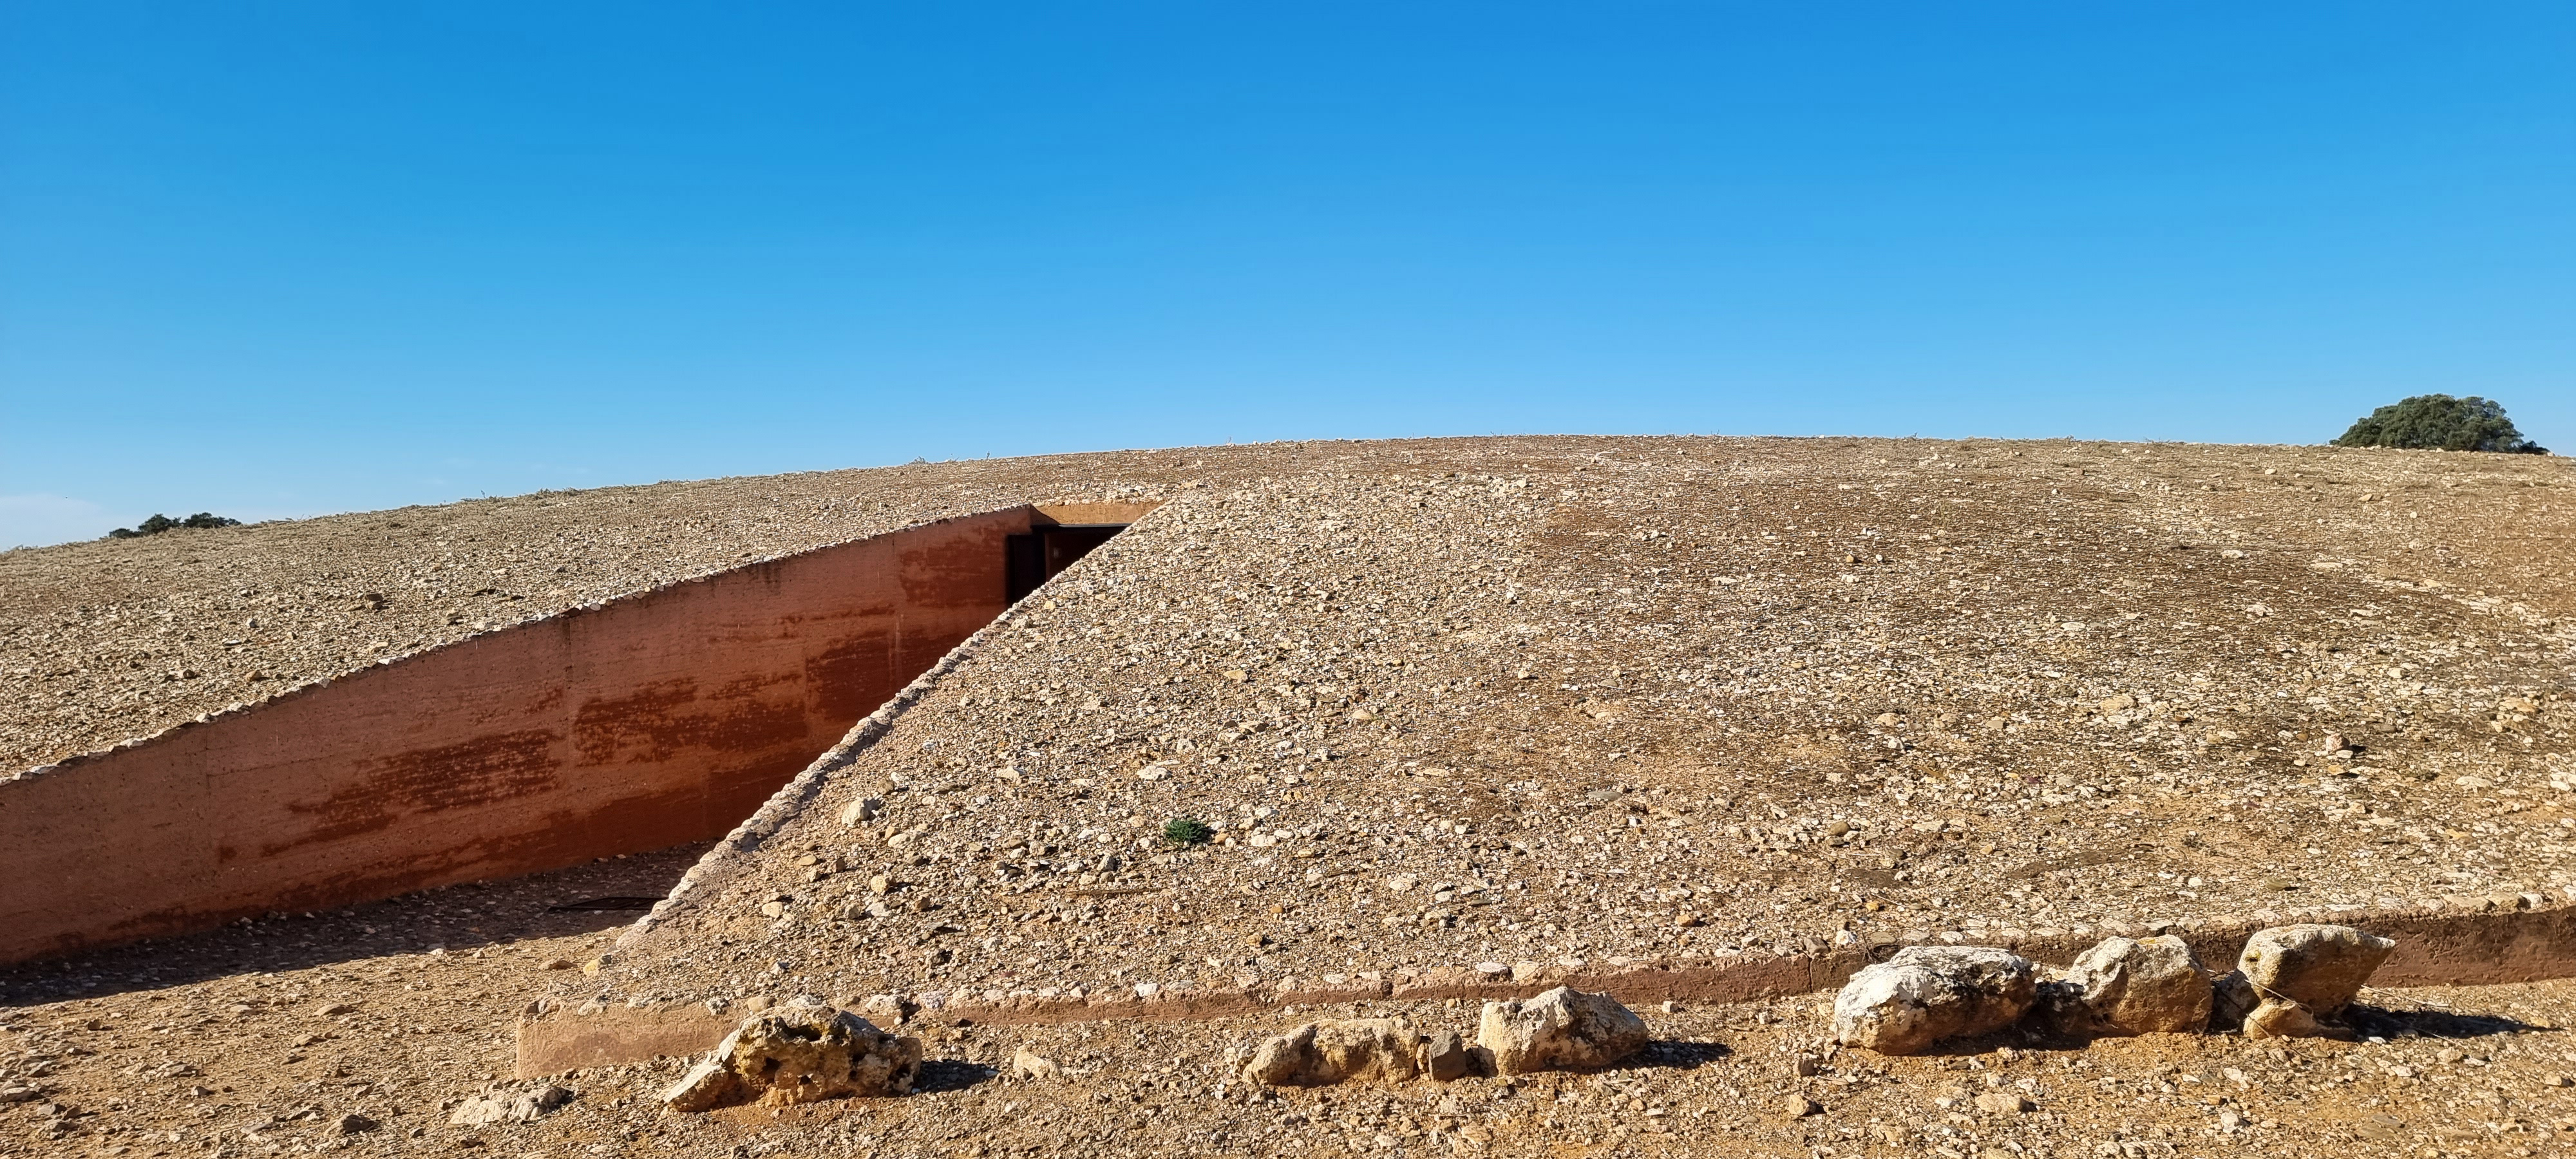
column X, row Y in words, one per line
column 799, row 1054
column 1563, row 1029
column 1926, row 994
column 2149, row 986
column 2319, row 967
column 1354, row 1050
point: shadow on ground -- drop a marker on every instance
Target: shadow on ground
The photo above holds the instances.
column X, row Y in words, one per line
column 1676, row 1055
column 458, row 919
column 2394, row 1022
column 951, row 1074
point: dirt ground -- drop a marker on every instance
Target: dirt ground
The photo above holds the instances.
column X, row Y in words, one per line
column 264, row 1038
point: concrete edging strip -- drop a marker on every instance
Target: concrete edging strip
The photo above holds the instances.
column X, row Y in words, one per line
column 2434, row 948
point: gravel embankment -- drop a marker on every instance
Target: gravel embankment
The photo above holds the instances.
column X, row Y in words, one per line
column 1689, row 701
column 1448, row 702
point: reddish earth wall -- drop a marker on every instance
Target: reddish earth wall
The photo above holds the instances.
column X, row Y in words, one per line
column 654, row 720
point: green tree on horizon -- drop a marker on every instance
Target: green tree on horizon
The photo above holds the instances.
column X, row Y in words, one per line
column 160, row 523
column 2439, row 422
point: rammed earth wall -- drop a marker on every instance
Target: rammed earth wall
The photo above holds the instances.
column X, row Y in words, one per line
column 643, row 722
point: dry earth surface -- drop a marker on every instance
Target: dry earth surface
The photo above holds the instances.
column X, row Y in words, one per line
column 264, row 1038
column 1543, row 701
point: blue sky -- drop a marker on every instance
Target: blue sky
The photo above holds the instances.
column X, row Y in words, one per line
column 279, row 259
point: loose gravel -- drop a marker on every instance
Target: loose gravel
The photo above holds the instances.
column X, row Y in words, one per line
column 1463, row 701
column 1670, row 706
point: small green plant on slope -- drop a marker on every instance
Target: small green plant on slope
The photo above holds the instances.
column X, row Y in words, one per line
column 2439, row 422
column 1187, row 831
column 160, row 523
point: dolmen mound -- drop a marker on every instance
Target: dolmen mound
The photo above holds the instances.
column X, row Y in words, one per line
column 2290, row 982
column 1372, row 763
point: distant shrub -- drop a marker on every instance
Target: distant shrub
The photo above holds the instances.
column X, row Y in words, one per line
column 160, row 523
column 2438, row 422
column 1186, row 831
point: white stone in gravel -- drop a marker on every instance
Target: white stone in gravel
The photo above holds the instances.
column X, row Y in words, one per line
column 800, row 1053
column 889, row 1009
column 2319, row 967
column 2145, row 986
column 1562, row 1029
column 1926, row 994
column 1029, row 1066
column 505, row 1106
column 1350, row 1050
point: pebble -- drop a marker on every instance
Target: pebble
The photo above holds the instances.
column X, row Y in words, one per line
column 2002, row 1103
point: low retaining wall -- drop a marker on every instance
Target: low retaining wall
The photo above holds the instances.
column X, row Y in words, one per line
column 2432, row 949
column 648, row 721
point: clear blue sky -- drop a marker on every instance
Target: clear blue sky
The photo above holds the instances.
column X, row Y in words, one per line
column 274, row 259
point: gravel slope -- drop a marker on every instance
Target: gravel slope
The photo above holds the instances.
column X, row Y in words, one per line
column 1691, row 699
column 1460, row 701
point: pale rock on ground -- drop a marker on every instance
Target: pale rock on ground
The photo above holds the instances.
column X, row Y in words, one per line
column 502, row 1105
column 800, row 1053
column 2142, row 986
column 2318, row 967
column 1352, row 1050
column 1928, row 994
column 1562, row 1029
column 1027, row 1066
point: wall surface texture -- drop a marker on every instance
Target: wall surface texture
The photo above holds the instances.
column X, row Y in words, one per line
column 652, row 720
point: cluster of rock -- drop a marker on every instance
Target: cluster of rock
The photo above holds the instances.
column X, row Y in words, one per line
column 2289, row 982
column 799, row 1053
column 1562, row 1029
column 808, row 1051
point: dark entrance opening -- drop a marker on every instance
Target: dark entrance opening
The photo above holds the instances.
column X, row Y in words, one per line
column 1047, row 550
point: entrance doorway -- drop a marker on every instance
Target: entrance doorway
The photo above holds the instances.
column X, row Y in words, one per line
column 1047, row 550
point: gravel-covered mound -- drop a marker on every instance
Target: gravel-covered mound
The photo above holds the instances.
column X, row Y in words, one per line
column 1686, row 697
column 1442, row 703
